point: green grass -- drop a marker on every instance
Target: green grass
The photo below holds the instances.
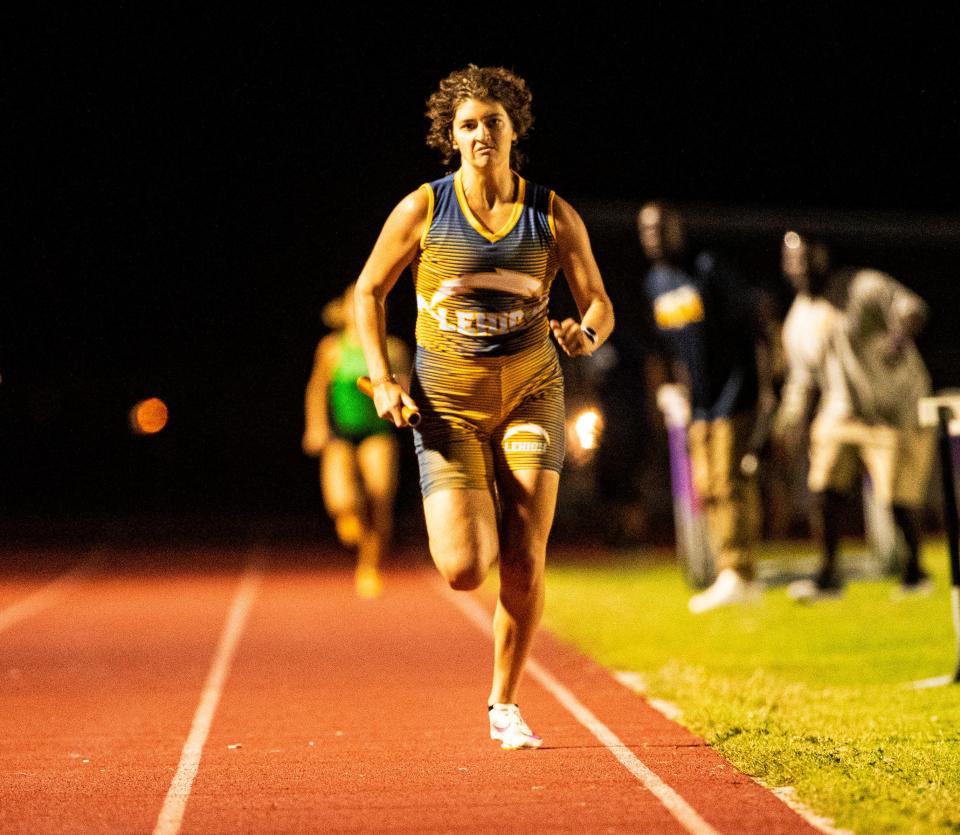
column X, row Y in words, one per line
column 812, row 697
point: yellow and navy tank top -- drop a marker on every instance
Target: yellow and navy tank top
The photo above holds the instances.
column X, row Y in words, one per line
column 480, row 292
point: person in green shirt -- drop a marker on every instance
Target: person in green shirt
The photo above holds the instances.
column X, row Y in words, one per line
column 357, row 449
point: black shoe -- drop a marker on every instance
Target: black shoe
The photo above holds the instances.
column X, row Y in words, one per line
column 827, row 580
column 826, row 585
column 916, row 583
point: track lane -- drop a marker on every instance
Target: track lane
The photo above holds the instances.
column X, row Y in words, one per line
column 391, row 694
column 96, row 695
column 337, row 715
column 31, row 581
column 388, row 693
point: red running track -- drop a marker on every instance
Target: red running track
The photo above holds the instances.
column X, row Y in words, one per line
column 326, row 713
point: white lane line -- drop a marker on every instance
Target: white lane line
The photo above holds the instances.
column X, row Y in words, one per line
column 48, row 595
column 685, row 814
column 175, row 804
column 788, row 795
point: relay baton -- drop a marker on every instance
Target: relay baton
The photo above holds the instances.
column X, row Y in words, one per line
column 411, row 416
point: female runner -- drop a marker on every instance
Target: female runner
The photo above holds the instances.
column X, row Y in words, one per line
column 357, row 449
column 484, row 246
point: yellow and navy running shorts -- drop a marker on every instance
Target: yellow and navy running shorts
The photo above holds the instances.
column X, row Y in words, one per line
column 484, row 416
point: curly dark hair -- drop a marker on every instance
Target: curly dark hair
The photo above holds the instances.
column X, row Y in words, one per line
column 490, row 84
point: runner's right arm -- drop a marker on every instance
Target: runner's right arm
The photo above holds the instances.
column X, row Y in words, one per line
column 396, row 247
column 316, row 427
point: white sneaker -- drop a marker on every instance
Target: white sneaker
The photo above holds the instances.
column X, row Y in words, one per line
column 507, row 726
column 728, row 589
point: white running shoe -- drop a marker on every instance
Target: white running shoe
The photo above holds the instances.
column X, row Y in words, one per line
column 507, row 726
column 728, row 589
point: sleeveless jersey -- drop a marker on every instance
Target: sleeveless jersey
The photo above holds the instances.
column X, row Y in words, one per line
column 481, row 293
column 352, row 414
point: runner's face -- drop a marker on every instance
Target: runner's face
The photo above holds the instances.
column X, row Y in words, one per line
column 483, row 133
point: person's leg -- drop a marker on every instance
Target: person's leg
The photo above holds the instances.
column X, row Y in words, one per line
column 701, row 474
column 906, row 519
column 730, row 518
column 377, row 461
column 827, row 506
column 713, row 454
column 528, row 500
column 464, row 543
column 462, row 529
column 528, row 452
column 340, row 489
column 457, row 396
column 834, row 466
column 698, row 434
column 915, row 453
column 462, row 524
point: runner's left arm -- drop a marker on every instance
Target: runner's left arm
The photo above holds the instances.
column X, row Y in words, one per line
column 586, row 285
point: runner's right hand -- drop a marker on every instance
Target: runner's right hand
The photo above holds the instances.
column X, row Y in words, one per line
column 389, row 398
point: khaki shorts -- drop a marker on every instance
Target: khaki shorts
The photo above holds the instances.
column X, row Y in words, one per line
column 898, row 461
column 486, row 416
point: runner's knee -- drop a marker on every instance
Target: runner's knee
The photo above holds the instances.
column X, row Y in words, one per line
column 464, row 576
column 521, row 573
column 464, row 569
column 466, row 579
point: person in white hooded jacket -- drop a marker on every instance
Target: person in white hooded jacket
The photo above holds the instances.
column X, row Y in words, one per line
column 851, row 339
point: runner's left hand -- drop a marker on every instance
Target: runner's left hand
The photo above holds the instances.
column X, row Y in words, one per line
column 571, row 338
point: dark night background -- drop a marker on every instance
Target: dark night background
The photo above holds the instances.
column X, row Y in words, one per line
column 186, row 188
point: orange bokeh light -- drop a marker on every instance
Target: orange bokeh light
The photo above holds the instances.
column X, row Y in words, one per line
column 149, row 416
